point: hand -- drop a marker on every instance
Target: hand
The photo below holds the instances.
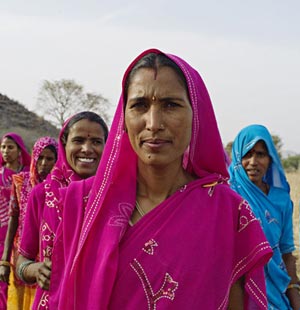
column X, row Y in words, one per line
column 44, row 274
column 4, row 273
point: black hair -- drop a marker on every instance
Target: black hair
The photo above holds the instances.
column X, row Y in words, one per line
column 153, row 61
column 53, row 149
column 91, row 116
column 12, row 139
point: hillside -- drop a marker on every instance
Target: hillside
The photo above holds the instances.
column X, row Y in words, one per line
column 15, row 117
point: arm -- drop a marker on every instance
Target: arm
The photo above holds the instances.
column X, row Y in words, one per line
column 8, row 244
column 13, row 223
column 236, row 297
column 292, row 293
column 28, row 270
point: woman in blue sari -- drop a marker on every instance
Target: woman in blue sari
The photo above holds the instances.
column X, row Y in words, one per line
column 256, row 174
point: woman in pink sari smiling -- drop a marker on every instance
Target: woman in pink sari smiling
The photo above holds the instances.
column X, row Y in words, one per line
column 13, row 159
column 162, row 229
column 81, row 142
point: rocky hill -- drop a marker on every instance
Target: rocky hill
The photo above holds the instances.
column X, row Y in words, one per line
column 15, row 117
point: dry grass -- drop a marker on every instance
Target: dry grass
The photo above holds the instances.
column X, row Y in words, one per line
column 294, row 180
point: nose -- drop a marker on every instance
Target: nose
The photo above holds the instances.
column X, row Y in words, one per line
column 154, row 119
column 253, row 159
column 87, row 147
column 44, row 162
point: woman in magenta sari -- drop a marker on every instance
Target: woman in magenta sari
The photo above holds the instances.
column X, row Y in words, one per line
column 81, row 142
column 44, row 156
column 13, row 159
column 161, row 228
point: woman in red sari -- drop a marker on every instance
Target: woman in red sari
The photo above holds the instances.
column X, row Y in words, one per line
column 13, row 159
column 81, row 142
column 44, row 156
column 161, row 228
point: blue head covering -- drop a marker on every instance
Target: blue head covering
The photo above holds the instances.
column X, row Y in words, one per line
column 262, row 205
column 243, row 143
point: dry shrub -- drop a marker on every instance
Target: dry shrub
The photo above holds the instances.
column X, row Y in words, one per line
column 294, row 180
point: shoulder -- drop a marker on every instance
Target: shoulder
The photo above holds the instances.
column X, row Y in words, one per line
column 82, row 186
column 216, row 195
column 38, row 190
column 279, row 192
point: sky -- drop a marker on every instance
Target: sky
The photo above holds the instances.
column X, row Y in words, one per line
column 247, row 52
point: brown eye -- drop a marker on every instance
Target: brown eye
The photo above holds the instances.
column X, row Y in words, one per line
column 261, row 154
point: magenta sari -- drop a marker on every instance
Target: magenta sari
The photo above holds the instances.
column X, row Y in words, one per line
column 6, row 175
column 43, row 216
column 184, row 254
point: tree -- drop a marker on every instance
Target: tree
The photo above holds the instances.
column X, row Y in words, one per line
column 57, row 100
column 291, row 163
column 278, row 144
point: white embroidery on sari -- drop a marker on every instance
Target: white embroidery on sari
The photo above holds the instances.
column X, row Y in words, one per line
column 149, row 246
column 246, row 218
column 121, row 220
column 167, row 290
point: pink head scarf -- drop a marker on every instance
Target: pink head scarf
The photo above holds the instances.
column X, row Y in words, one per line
column 25, row 156
column 37, row 149
column 115, row 183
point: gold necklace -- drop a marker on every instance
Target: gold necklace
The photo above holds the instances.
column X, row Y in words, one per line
column 139, row 209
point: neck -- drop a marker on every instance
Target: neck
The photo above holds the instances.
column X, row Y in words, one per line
column 15, row 166
column 155, row 184
column 264, row 187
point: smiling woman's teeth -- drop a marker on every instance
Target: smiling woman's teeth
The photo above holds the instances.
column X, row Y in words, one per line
column 86, row 160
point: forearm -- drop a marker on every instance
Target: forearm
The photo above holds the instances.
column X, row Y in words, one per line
column 236, row 297
column 9, row 239
column 293, row 290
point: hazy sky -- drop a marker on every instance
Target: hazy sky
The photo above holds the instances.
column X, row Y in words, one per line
column 248, row 52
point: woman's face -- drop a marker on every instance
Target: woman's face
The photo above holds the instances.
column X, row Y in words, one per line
column 10, row 151
column 45, row 163
column 256, row 162
column 158, row 116
column 84, row 147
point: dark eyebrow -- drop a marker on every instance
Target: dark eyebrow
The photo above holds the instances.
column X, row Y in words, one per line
column 159, row 99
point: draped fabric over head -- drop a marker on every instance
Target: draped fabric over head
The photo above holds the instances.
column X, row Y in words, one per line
column 6, row 175
column 23, row 183
column 239, row 180
column 243, row 143
column 25, row 156
column 112, row 198
column 37, row 149
column 44, row 210
column 61, row 176
column 264, row 207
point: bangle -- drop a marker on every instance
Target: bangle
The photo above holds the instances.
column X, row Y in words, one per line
column 294, row 285
column 5, row 263
column 21, row 269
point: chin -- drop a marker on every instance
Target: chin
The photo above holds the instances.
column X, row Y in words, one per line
column 86, row 174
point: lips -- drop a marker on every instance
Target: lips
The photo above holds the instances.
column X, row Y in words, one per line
column 252, row 171
column 155, row 144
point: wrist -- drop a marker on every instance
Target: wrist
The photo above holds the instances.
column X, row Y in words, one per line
column 5, row 263
column 21, row 271
column 294, row 286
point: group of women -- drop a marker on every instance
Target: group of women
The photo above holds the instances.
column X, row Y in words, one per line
column 160, row 222
column 31, row 211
